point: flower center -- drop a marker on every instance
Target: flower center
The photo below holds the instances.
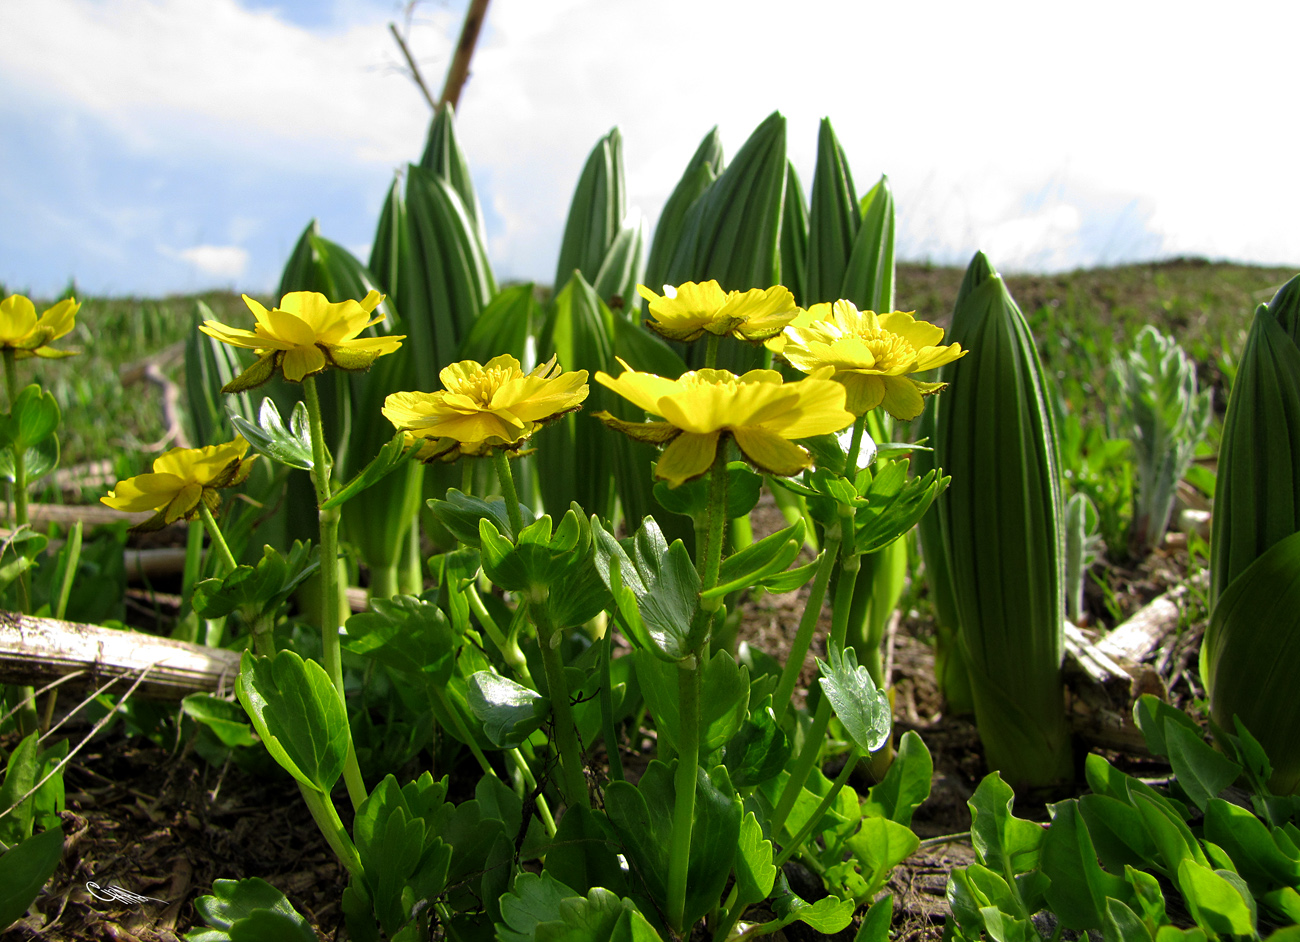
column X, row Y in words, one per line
column 483, row 385
column 888, row 348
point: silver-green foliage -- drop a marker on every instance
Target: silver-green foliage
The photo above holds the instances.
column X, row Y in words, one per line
column 1165, row 417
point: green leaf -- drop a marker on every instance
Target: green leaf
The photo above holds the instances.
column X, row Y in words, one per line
column 443, row 157
column 642, row 818
column 32, row 419
column 391, row 457
column 755, row 871
column 759, row 750
column 291, row 446
column 296, row 711
column 508, row 711
column 876, row 922
column 1004, row 843
column 834, row 219
column 1001, row 530
column 263, row 587
column 1117, row 832
column 879, row 846
column 692, row 498
column 20, row 776
column 227, row 720
column 1254, row 852
column 535, row 899
column 861, row 706
column 461, row 513
column 1173, row 840
column 1121, row 924
column 1152, row 716
column 702, row 169
column 1079, row 888
column 827, row 916
column 906, row 785
column 1201, row 771
column 38, row 461
column 895, row 503
column 24, row 869
column 249, row 910
column 1214, row 902
column 510, row 320
column 584, row 853
column 406, row 634
column 1257, row 622
column 768, row 557
column 869, row 275
column 596, row 212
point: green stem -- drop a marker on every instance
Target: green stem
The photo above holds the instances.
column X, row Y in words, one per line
column 72, row 560
column 607, row 712
column 688, row 760
column 464, row 734
column 711, row 350
column 689, row 682
column 530, row 780
column 383, row 581
column 508, row 646
column 193, row 557
column 821, row 720
column 329, row 576
column 27, row 717
column 807, row 627
column 219, row 541
column 336, row 835
column 507, row 479
column 574, row 784
column 836, row 787
column 855, row 445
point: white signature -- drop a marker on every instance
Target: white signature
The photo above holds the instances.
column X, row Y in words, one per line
column 115, row 894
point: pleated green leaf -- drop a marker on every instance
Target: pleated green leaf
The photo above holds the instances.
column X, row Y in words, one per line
column 596, row 212
column 390, row 241
column 209, row 365
column 504, row 326
column 1250, row 657
column 1000, row 526
column 444, row 280
column 702, row 169
column 575, row 459
column 623, row 268
column 443, row 157
column 834, row 219
column 732, row 233
column 1257, row 494
column 869, row 276
column 794, row 237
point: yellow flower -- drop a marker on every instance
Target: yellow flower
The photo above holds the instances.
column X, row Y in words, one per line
column 686, row 312
column 182, row 478
column 485, row 406
column 702, row 408
column 872, row 355
column 22, row 332
column 303, row 336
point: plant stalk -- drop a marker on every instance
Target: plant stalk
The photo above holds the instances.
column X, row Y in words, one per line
column 219, row 541
column 508, row 493
column 574, row 783
column 332, row 654
column 807, row 626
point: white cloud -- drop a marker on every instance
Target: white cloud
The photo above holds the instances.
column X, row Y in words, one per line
column 219, row 261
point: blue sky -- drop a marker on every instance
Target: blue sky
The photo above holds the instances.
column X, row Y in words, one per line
column 155, row 146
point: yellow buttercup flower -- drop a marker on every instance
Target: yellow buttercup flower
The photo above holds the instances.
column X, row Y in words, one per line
column 27, row 335
column 303, row 336
column 872, row 355
column 181, row 479
column 759, row 411
column 684, row 313
column 485, row 407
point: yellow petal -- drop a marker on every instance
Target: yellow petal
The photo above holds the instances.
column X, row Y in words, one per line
column 534, row 399
column 301, row 362
column 143, row 492
column 644, row 390
column 17, row 318
column 863, row 391
column 61, row 318
column 185, row 501
column 902, row 399
column 290, row 328
column 687, row 456
column 918, row 333
column 770, row 452
column 231, row 335
column 927, row 358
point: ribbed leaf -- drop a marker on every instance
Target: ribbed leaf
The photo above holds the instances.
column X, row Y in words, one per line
column 733, row 232
column 390, row 242
column 702, row 169
column 1257, row 495
column 794, row 237
column 833, row 220
column 1250, row 657
column 444, row 277
column 1000, row 523
column 443, row 157
column 869, row 277
column 209, row 365
column 506, row 325
column 596, row 213
column 623, row 268
column 574, row 454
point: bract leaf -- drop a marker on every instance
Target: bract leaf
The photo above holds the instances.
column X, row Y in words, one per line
column 861, row 706
column 289, row 446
